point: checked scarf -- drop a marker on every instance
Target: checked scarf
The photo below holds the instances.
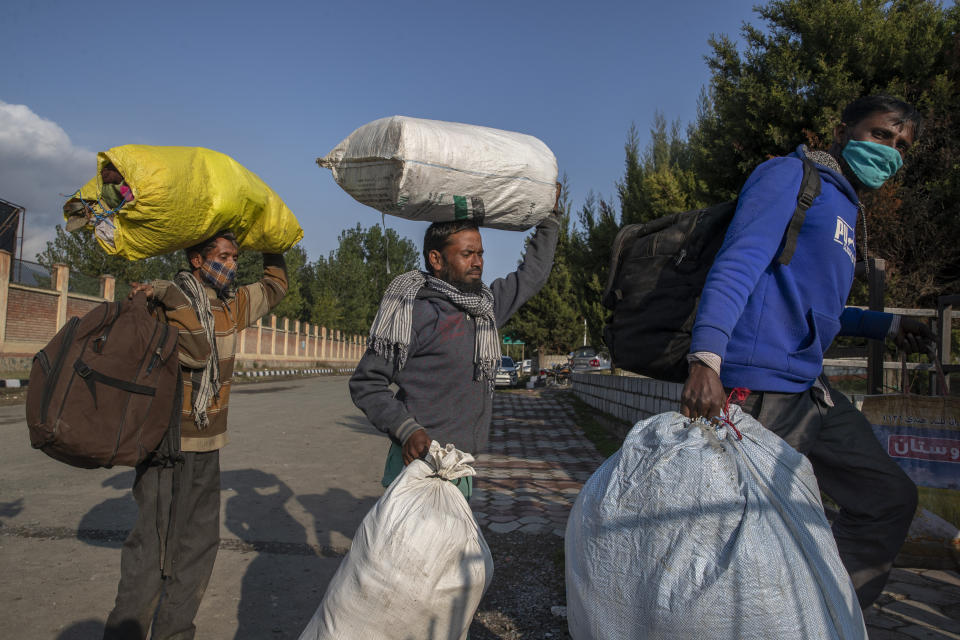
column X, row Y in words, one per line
column 209, row 384
column 392, row 329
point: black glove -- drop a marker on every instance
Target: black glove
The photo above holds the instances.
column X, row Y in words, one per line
column 914, row 336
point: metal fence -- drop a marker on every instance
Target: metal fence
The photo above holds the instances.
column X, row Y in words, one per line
column 80, row 283
column 34, row 274
column 120, row 291
column 31, row 274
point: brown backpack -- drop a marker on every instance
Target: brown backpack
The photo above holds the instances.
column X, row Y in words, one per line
column 106, row 389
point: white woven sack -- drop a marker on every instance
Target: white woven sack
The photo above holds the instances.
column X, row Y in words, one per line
column 438, row 171
column 418, row 565
column 689, row 532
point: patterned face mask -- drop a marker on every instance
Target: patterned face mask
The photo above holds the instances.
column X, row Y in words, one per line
column 217, row 274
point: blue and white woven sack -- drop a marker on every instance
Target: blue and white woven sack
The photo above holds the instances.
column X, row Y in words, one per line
column 691, row 532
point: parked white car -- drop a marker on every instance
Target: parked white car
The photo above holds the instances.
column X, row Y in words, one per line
column 589, row 359
column 506, row 373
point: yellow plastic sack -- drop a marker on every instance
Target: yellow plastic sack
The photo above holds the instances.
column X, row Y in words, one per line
column 183, row 195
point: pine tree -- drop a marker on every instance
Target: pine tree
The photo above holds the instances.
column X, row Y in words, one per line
column 789, row 86
column 661, row 180
column 346, row 287
column 588, row 254
column 83, row 254
column 550, row 321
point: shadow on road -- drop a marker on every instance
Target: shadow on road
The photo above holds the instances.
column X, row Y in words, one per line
column 98, row 527
column 254, row 390
column 257, row 514
column 11, row 509
column 318, row 506
column 83, row 630
column 284, row 583
column 360, row 425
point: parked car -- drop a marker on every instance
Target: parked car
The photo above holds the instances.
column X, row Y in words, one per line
column 506, row 373
column 526, row 366
column 589, row 359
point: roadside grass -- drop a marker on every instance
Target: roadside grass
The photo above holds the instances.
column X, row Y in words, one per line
column 603, row 430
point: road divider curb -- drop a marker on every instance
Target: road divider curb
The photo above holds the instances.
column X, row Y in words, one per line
column 295, row 372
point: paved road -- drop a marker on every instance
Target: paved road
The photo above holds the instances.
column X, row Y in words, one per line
column 298, row 476
column 528, row 483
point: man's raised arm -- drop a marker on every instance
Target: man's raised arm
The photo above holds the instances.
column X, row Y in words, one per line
column 255, row 300
column 511, row 292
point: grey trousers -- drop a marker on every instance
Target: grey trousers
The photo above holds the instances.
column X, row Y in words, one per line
column 877, row 500
column 168, row 557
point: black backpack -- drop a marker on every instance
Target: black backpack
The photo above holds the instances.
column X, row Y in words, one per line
column 657, row 273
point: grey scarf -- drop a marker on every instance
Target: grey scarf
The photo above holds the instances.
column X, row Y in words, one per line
column 392, row 329
column 822, row 157
column 209, row 384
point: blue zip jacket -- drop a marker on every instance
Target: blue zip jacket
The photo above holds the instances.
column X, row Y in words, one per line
column 772, row 323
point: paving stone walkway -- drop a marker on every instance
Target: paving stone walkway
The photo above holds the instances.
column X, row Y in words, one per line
column 536, row 464
column 917, row 603
column 538, row 460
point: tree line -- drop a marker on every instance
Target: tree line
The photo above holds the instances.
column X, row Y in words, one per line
column 782, row 85
column 785, row 84
column 340, row 291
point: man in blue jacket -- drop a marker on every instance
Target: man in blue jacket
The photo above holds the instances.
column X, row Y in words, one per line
column 764, row 326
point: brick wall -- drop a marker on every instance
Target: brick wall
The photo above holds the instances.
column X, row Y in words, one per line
column 248, row 338
column 31, row 315
column 629, row 398
column 265, row 345
column 32, row 320
column 80, row 307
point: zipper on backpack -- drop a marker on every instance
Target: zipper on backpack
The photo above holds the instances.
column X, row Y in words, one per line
column 154, row 359
column 44, row 361
column 126, row 402
column 619, row 241
column 158, row 352
column 71, row 328
column 101, row 341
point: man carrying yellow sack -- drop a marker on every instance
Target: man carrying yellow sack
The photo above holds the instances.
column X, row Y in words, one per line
column 168, row 557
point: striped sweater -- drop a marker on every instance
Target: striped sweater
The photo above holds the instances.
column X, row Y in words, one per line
column 231, row 316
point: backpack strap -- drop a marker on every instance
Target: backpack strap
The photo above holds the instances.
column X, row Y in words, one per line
column 809, row 190
column 91, row 377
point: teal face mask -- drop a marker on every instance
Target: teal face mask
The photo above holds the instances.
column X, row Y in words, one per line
column 872, row 163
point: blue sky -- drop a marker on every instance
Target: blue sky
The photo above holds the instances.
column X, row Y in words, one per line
column 277, row 84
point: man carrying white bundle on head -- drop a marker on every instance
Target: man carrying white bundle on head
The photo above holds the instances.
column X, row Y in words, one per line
column 435, row 337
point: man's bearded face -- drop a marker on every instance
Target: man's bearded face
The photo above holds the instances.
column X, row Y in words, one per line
column 461, row 261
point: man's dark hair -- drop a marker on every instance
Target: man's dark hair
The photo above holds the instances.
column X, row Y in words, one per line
column 203, row 248
column 868, row 105
column 438, row 234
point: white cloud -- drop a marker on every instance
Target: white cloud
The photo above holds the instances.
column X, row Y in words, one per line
column 38, row 163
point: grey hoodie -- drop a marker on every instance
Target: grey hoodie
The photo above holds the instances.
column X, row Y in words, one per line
column 436, row 386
